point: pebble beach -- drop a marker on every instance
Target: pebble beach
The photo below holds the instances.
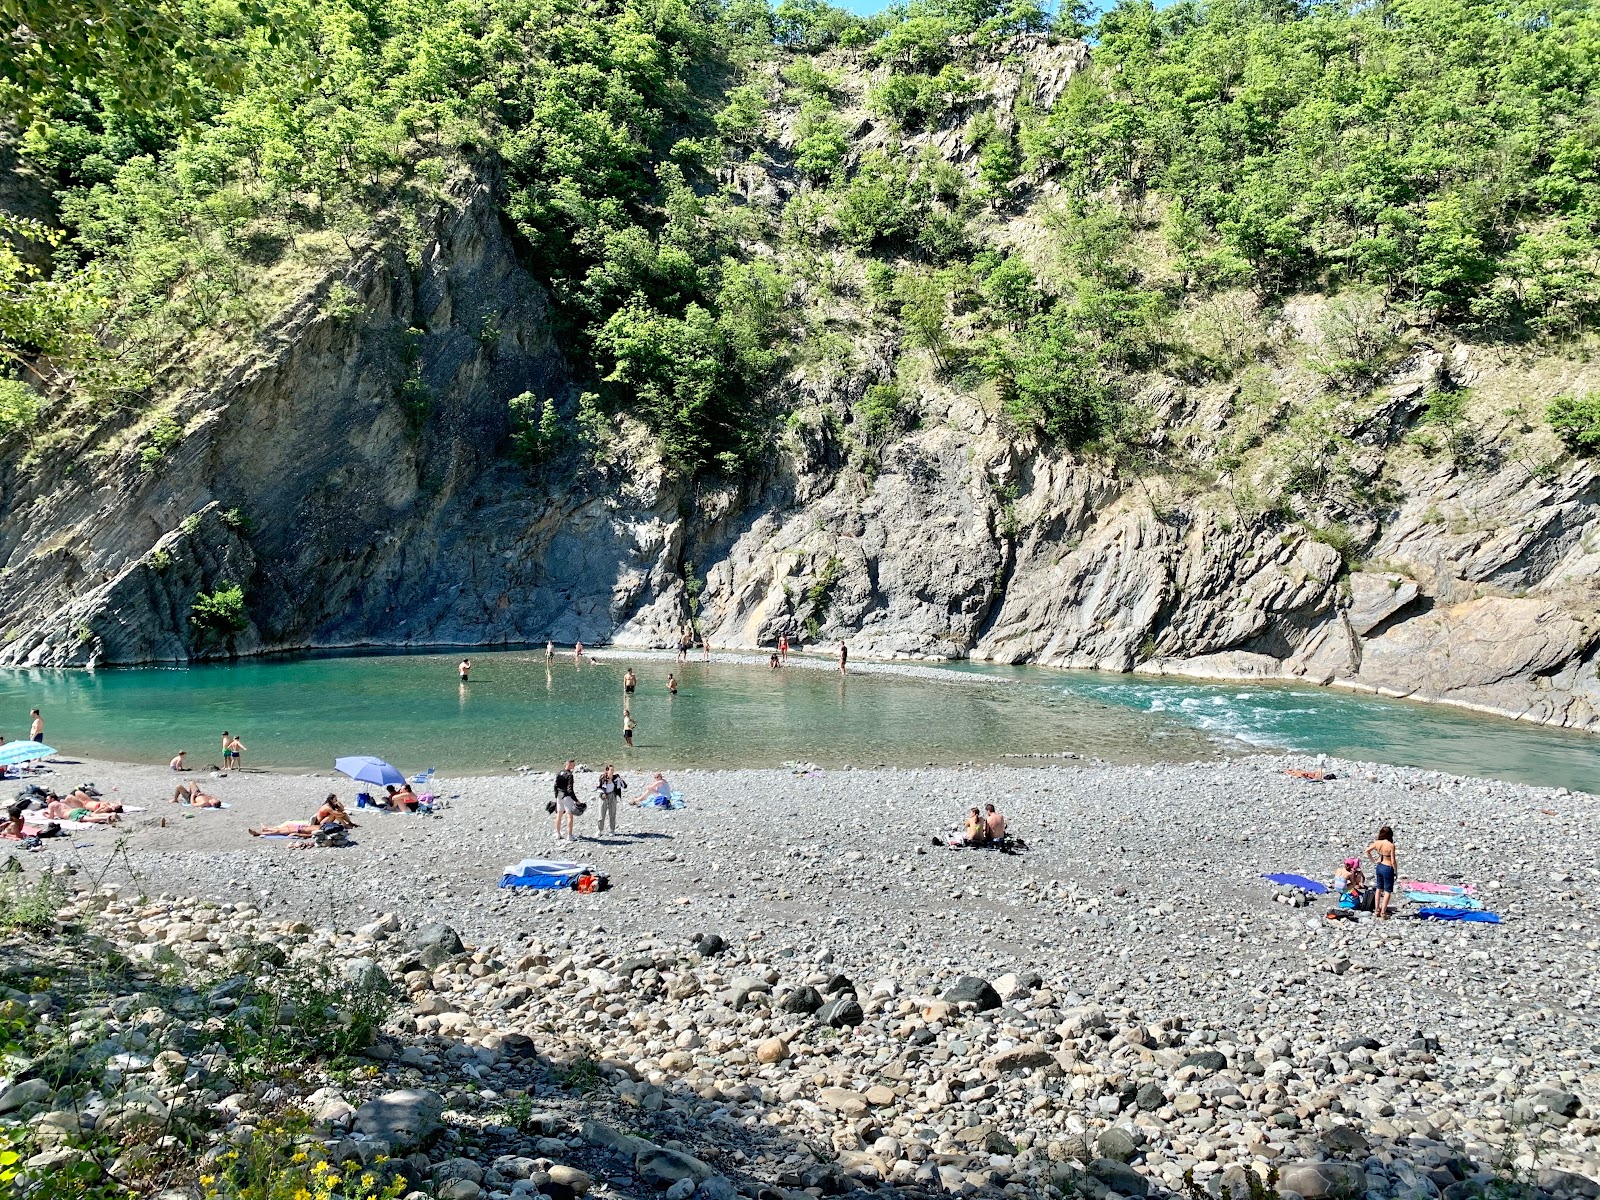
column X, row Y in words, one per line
column 789, row 982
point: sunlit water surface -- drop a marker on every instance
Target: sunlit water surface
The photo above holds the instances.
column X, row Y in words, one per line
column 300, row 713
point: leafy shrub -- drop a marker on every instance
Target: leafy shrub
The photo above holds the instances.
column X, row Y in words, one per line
column 30, row 905
column 20, row 406
column 164, row 437
column 159, row 561
column 915, row 101
column 1576, row 421
column 1354, row 332
column 744, row 116
column 342, row 302
column 882, row 411
column 219, row 614
column 820, row 592
column 416, row 401
column 537, row 432
column 239, row 521
column 821, row 144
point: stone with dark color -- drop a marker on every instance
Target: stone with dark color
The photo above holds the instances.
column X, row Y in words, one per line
column 970, row 989
column 805, row 1000
column 1119, row 1177
column 1149, row 1097
column 840, row 1012
column 1117, row 1144
column 1205, row 1060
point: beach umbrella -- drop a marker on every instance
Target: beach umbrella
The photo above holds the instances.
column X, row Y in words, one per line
column 13, row 753
column 363, row 768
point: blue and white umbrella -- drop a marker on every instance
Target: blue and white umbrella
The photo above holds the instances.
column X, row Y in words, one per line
column 363, row 768
column 13, row 753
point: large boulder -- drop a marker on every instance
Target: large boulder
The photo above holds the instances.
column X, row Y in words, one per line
column 836, row 1014
column 804, row 1000
column 969, row 989
column 1119, row 1177
column 663, row 1167
column 1322, row 1180
column 406, row 1119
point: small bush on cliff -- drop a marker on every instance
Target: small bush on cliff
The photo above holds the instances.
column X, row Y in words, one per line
column 220, row 613
column 1576, row 420
column 537, row 432
column 19, row 408
column 883, row 411
column 165, row 435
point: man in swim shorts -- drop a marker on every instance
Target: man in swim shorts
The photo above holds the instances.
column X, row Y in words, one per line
column 1382, row 852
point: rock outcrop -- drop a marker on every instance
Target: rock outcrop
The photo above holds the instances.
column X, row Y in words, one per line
column 350, row 519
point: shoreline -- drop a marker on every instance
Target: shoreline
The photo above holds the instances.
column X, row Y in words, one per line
column 929, row 667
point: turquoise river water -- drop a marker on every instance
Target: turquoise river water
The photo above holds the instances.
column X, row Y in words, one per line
column 299, row 713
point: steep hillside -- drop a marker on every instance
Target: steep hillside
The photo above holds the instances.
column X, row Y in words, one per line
column 1246, row 343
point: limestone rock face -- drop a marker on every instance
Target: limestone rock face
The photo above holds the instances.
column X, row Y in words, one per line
column 300, row 477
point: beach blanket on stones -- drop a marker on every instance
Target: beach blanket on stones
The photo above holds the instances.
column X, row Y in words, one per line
column 676, row 800
column 1440, row 913
column 1302, row 882
column 541, row 874
column 1442, row 901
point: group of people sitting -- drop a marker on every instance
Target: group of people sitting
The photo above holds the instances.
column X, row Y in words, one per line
column 394, row 799
column 984, row 828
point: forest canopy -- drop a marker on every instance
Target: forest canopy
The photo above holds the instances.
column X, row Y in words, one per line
column 1442, row 153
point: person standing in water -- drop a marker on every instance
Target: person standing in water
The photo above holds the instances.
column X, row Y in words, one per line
column 627, row 728
column 844, row 657
column 465, row 669
column 577, row 652
column 672, row 684
column 629, row 682
column 237, row 748
column 36, row 729
column 549, row 651
column 783, row 647
column 1382, row 852
column 227, row 752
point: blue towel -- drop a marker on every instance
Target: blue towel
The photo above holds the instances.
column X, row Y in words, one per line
column 1459, row 914
column 1299, row 881
column 532, row 873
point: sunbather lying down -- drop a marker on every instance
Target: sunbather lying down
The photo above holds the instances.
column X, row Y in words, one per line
column 68, row 810
column 331, row 813
column 190, row 793
column 82, row 807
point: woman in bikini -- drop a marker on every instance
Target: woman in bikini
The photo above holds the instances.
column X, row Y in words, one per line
column 1382, row 852
column 331, row 813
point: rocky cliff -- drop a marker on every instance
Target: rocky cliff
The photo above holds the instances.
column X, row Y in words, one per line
column 350, row 472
